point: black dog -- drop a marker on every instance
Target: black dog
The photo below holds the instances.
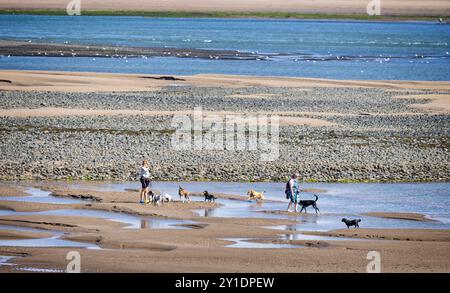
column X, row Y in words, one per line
column 307, row 203
column 208, row 196
column 350, row 223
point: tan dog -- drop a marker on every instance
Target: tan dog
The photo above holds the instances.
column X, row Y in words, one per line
column 255, row 195
column 183, row 193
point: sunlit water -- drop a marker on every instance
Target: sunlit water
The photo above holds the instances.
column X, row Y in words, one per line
column 4, row 260
column 41, row 196
column 338, row 200
column 312, row 48
column 130, row 221
column 52, row 241
column 248, row 243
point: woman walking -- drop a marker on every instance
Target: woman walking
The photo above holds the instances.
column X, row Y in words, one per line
column 292, row 190
column 144, row 177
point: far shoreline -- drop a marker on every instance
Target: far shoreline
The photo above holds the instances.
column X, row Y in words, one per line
column 206, row 180
column 235, row 15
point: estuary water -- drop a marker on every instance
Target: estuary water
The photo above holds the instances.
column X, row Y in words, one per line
column 300, row 48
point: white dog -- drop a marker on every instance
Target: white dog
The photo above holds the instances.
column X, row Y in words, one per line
column 157, row 199
column 166, row 197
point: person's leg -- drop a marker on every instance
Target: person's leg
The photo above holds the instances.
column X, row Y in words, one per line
column 290, row 203
column 141, row 195
column 147, row 183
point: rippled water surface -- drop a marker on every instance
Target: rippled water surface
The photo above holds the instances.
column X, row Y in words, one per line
column 336, row 200
column 327, row 49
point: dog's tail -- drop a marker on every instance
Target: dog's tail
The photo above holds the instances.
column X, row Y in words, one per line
column 316, row 197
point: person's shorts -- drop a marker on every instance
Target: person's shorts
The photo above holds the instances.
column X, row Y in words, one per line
column 292, row 198
column 145, row 182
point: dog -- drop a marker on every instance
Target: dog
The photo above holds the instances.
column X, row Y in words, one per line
column 183, row 193
column 161, row 198
column 166, row 197
column 157, row 199
column 350, row 223
column 255, row 195
column 306, row 203
column 209, row 197
column 151, row 195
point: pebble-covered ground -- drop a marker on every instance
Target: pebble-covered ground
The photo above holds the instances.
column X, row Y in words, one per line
column 374, row 136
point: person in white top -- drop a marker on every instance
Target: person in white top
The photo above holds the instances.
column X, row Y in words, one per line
column 292, row 191
column 144, row 177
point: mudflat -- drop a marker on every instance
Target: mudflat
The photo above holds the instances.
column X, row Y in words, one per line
column 331, row 130
column 204, row 246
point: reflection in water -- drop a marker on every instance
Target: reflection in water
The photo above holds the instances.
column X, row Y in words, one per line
column 4, row 260
column 208, row 212
column 247, row 243
column 144, row 224
column 257, row 204
column 53, row 241
column 317, row 238
column 42, row 196
column 290, row 228
column 133, row 222
column 336, row 201
column 340, row 200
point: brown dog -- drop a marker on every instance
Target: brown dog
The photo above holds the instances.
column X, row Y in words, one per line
column 255, row 195
column 183, row 193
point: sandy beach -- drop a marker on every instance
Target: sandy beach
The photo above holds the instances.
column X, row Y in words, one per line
column 226, row 101
column 356, row 130
column 24, row 80
column 40, row 104
column 389, row 7
column 202, row 247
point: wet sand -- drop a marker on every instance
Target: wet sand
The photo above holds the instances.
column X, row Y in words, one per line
column 389, row 234
column 332, row 130
column 21, row 48
column 9, row 234
column 438, row 103
column 203, row 249
column 402, row 216
column 11, row 191
column 28, row 80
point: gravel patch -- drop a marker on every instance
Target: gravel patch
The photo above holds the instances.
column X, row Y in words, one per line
column 375, row 141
